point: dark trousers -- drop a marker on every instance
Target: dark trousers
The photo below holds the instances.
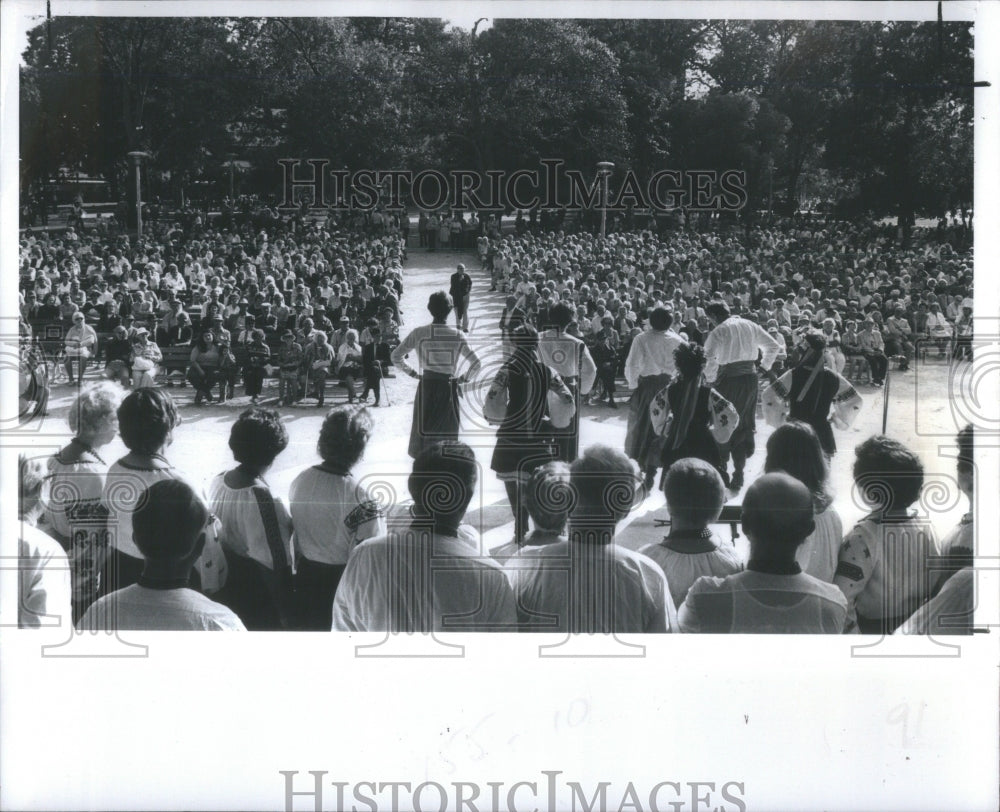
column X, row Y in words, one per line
column 879, row 364
column 315, row 587
column 606, row 375
column 253, row 380
column 373, row 382
column 260, row 597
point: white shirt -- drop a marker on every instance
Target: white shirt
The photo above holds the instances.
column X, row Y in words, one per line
column 255, row 523
column 763, row 603
column 560, row 352
column 123, row 487
column 819, row 552
column 683, row 569
column 950, row 611
column 737, row 339
column 416, row 581
column 440, row 348
column 140, row 608
column 590, row 588
column 652, row 353
column 43, row 581
column 882, row 567
column 331, row 515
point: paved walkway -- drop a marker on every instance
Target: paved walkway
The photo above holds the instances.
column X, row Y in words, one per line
column 922, row 414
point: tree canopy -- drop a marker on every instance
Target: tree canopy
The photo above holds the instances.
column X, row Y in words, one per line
column 880, row 113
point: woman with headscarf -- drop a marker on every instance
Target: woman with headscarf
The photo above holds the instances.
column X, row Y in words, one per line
column 524, row 438
column 809, row 391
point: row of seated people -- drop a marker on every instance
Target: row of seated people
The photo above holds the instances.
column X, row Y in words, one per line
column 336, row 558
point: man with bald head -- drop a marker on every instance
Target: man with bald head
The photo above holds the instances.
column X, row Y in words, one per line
column 773, row 595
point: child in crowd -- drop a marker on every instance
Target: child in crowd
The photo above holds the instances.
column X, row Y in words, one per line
column 883, row 567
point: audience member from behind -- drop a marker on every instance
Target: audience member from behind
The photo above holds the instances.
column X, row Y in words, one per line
column 959, row 545
column 256, row 528
column 588, row 584
column 773, row 595
column 331, row 514
column 71, row 494
column 430, row 575
column 146, row 421
column 695, row 495
column 795, row 449
column 169, row 525
column 42, row 567
column 883, row 563
column 547, row 496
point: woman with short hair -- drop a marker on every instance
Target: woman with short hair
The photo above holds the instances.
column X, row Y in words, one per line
column 74, row 485
column 795, row 448
column 146, row 421
column 441, row 350
column 331, row 513
column 256, row 527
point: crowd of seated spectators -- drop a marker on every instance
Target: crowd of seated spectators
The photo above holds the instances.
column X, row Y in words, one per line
column 227, row 292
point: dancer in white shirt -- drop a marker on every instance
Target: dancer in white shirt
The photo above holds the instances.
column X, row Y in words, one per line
column 441, row 351
column 732, row 350
column 648, row 369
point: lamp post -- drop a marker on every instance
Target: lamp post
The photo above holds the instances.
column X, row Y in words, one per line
column 137, row 158
column 604, row 169
column 231, row 164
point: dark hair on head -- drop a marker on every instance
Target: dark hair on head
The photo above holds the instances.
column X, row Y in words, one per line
column 549, row 496
column 440, row 305
column 660, row 319
column 604, row 483
column 694, row 490
column 344, row 435
column 257, row 437
column 200, row 341
column 717, row 310
column 560, row 315
column 444, row 479
column 888, row 473
column 966, row 449
column 145, row 419
column 690, row 360
column 815, row 342
column 795, row 449
column 168, row 520
column 525, row 337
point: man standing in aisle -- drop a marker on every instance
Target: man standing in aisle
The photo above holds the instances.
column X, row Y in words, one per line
column 460, row 291
column 731, row 350
column 568, row 356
